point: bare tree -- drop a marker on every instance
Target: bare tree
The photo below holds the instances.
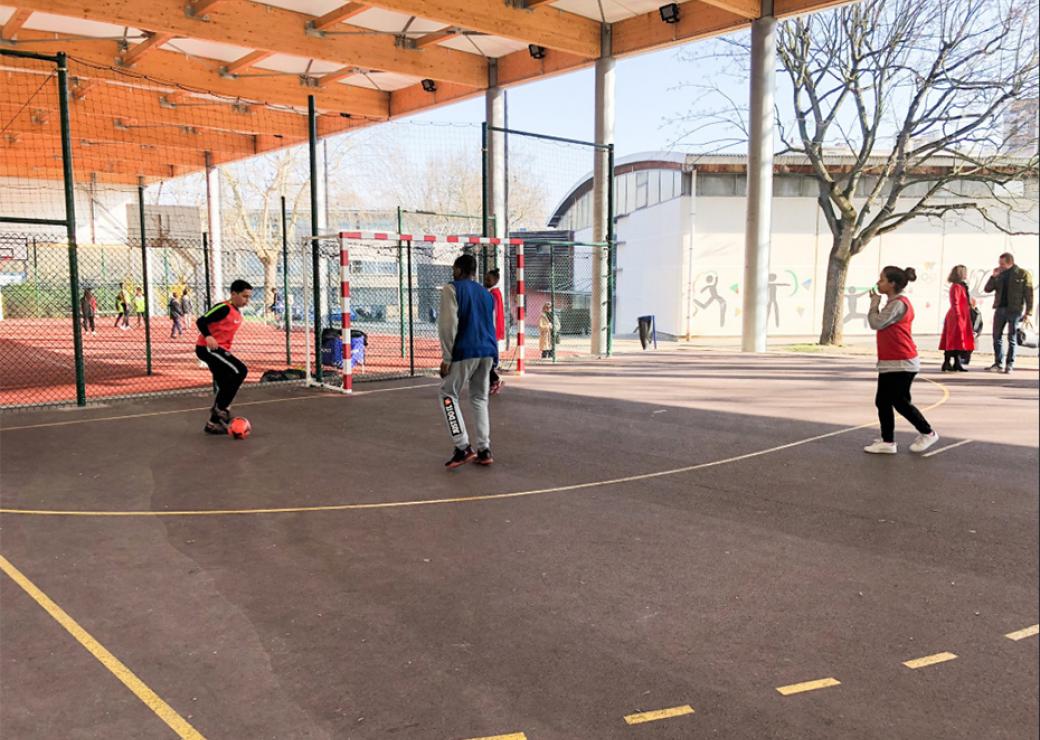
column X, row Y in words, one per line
column 901, row 109
column 254, row 211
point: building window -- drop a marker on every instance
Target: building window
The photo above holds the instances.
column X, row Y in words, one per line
column 642, row 189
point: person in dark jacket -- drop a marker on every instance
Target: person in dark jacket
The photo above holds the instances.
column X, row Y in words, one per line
column 176, row 315
column 1013, row 303
column 466, row 327
column 88, row 310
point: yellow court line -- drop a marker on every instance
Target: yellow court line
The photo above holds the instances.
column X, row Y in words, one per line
column 194, row 409
column 798, row 688
column 460, row 499
column 636, row 719
column 929, row 660
column 1023, row 633
column 511, row 736
column 165, row 712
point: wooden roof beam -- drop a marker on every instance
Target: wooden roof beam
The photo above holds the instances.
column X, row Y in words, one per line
column 204, row 74
column 200, row 8
column 340, row 74
column 542, row 25
column 265, row 27
column 340, row 14
column 243, row 63
column 434, row 38
column 136, row 52
column 14, row 23
column 750, row 9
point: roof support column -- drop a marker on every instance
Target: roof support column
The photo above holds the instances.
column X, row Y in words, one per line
column 218, row 288
column 495, row 114
column 759, row 181
column 604, row 127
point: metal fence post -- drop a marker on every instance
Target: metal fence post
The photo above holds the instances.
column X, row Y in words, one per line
column 312, row 151
column 411, row 317
column 285, row 286
column 400, row 278
column 205, row 266
column 611, row 251
column 70, row 226
column 552, row 299
column 147, row 284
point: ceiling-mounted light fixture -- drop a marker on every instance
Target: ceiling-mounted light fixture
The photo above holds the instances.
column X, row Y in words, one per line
column 536, row 51
column 429, row 85
column 669, row 13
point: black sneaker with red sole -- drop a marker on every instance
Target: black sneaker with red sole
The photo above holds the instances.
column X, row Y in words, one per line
column 484, row 457
column 462, row 456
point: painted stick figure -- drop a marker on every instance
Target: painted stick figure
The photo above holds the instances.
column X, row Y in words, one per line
column 713, row 297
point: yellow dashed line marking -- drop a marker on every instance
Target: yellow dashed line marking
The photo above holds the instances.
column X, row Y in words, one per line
column 636, row 719
column 929, row 660
column 511, row 736
column 152, row 700
column 1022, row 634
column 798, row 688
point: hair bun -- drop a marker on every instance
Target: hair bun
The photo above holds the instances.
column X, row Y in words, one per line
column 911, row 274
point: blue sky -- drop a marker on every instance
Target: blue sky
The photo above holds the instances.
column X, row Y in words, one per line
column 644, row 95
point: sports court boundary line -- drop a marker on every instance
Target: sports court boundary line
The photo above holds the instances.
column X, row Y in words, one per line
column 465, row 499
column 195, row 409
column 115, row 666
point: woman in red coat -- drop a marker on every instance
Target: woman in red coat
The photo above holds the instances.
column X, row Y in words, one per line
column 958, row 335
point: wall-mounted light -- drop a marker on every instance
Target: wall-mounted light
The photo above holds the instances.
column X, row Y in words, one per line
column 429, row 85
column 669, row 13
column 536, row 51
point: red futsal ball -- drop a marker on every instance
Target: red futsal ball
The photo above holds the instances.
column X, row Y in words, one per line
column 239, row 427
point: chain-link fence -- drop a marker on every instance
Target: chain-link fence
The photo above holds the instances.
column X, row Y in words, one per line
column 558, row 284
column 138, row 336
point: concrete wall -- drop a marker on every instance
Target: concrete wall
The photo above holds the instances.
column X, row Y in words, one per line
column 651, row 266
column 801, row 243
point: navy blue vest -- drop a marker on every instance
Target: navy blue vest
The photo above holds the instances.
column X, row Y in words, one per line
column 476, row 333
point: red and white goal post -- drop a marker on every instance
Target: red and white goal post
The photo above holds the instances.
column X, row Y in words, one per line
column 376, row 240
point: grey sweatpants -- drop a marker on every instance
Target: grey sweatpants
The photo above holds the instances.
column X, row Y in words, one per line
column 473, row 373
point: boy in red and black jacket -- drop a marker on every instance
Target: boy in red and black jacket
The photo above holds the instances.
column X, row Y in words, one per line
column 217, row 328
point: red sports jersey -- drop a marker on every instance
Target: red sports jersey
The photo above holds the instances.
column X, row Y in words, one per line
column 896, row 342
column 500, row 314
column 221, row 321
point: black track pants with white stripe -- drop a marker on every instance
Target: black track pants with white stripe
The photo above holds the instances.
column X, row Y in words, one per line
column 228, row 373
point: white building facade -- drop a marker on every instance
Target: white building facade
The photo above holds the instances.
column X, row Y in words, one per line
column 680, row 228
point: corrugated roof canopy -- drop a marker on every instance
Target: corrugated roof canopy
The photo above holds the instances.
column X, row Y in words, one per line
column 365, row 60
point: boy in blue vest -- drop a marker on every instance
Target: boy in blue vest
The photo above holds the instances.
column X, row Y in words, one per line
column 466, row 326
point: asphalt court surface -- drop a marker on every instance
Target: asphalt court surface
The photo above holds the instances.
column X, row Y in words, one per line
column 637, row 575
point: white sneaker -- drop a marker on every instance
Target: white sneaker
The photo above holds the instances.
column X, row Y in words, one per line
column 881, row 447
column 923, row 442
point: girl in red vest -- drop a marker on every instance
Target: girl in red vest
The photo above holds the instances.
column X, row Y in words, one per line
column 958, row 334
column 898, row 362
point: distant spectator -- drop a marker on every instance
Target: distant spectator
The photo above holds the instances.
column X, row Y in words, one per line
column 88, row 310
column 186, row 307
column 123, row 299
column 277, row 305
column 1012, row 304
column 958, row 336
column 491, row 278
column 548, row 329
column 176, row 315
column 139, row 305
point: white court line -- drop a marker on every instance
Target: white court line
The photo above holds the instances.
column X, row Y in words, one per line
column 947, row 447
column 463, row 499
column 70, row 422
